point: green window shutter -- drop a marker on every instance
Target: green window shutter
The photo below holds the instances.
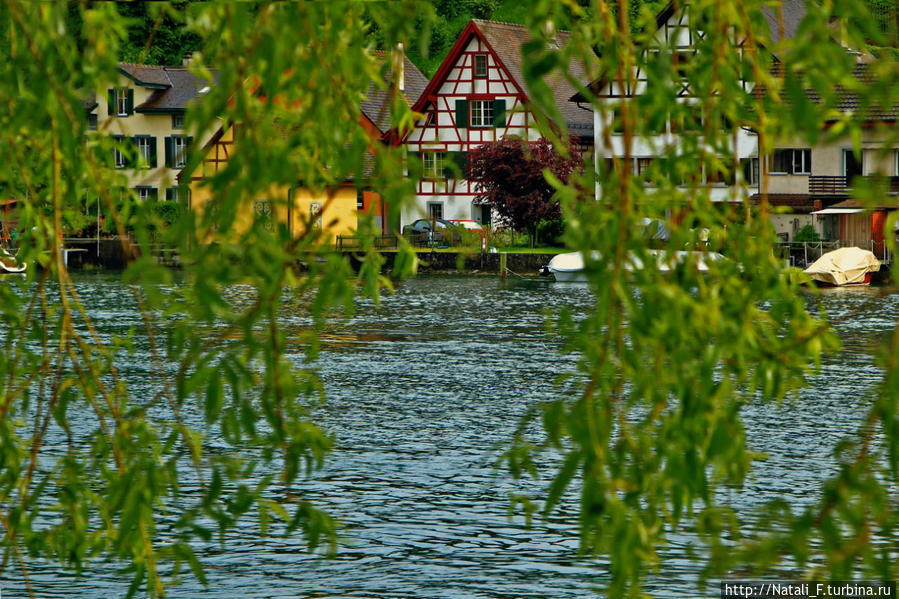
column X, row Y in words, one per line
column 168, row 152
column 414, row 163
column 154, row 194
column 499, row 113
column 110, row 102
column 454, row 165
column 169, row 193
column 134, row 159
column 187, row 145
column 129, row 106
column 152, row 152
column 462, row 114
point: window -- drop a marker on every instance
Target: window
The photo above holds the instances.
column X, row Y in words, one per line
column 435, row 210
column 146, row 148
column 177, row 194
column 480, row 65
column 433, row 164
column 179, row 151
column 92, row 121
column 178, row 120
column 643, row 165
column 176, row 151
column 720, row 176
column 263, row 210
column 315, row 215
column 617, row 121
column 750, row 170
column 791, row 162
column 482, row 113
column 145, row 193
column 122, row 101
column 119, row 158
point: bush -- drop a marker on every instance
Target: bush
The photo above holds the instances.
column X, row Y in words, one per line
column 806, row 233
column 549, row 232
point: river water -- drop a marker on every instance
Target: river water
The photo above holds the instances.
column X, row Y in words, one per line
column 420, row 393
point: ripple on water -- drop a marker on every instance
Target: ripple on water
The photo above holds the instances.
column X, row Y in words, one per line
column 420, row 392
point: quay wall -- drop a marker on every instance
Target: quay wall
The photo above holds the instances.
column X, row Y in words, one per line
column 112, row 254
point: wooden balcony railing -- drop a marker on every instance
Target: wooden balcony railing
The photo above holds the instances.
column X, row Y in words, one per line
column 841, row 184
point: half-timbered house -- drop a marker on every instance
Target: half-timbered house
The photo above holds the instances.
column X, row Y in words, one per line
column 478, row 96
column 333, row 211
column 678, row 38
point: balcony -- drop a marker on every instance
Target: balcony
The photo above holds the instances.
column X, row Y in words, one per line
column 841, row 185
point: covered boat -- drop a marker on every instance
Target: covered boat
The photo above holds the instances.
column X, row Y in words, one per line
column 844, row 266
column 569, row 267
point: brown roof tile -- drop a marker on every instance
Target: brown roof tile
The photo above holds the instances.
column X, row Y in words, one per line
column 507, row 40
column 184, row 87
column 376, row 105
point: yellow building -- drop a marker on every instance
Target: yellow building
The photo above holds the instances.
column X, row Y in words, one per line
column 145, row 107
column 333, row 212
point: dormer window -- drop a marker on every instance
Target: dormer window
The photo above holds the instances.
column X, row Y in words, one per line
column 178, row 120
column 480, row 65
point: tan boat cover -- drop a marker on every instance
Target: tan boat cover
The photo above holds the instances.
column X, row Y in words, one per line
column 844, row 266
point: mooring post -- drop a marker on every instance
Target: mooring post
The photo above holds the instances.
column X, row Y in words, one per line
column 502, row 266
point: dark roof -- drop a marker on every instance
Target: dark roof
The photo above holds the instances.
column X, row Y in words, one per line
column 868, row 77
column 891, row 203
column 793, row 12
column 376, row 105
column 144, row 74
column 90, row 102
column 869, row 83
column 506, row 41
column 174, row 86
column 185, row 86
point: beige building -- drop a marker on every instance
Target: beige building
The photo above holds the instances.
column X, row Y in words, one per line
column 145, row 111
column 813, row 185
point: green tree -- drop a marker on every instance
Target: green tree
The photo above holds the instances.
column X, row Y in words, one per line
column 654, row 435
column 111, row 490
column 669, row 359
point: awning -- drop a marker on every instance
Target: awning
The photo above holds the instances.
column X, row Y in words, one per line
column 839, row 211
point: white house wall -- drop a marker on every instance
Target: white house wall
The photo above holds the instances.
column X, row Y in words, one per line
column 455, row 196
column 675, row 35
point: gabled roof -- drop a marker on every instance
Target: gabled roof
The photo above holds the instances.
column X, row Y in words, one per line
column 505, row 41
column 869, row 78
column 376, row 106
column 793, row 12
column 145, row 75
column 850, row 101
column 174, row 86
column 185, row 86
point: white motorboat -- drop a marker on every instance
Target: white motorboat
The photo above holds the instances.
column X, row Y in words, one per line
column 844, row 266
column 569, row 267
column 9, row 264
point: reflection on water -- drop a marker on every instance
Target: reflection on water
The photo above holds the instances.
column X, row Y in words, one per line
column 420, row 392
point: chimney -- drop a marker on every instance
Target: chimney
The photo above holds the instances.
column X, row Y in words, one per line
column 399, row 67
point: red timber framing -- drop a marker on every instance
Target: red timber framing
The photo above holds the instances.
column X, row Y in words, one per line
column 463, row 110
